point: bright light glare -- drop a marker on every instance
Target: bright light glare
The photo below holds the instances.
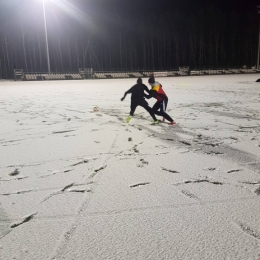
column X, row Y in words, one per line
column 72, row 10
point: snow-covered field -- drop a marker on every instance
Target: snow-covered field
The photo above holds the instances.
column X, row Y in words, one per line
column 78, row 184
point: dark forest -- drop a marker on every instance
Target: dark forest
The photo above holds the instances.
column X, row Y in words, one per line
column 116, row 35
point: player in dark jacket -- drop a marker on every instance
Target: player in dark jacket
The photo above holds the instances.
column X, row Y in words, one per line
column 162, row 100
column 137, row 99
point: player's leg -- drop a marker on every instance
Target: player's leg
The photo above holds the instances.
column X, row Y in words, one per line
column 146, row 106
column 156, row 107
column 163, row 106
column 132, row 110
column 133, row 107
column 167, row 117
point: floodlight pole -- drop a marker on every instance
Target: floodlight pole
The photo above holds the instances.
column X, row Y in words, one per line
column 46, row 38
column 258, row 52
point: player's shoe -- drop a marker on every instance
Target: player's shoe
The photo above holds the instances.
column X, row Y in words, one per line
column 156, row 122
column 172, row 123
column 128, row 119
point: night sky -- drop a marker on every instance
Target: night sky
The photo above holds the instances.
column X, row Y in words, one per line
column 127, row 35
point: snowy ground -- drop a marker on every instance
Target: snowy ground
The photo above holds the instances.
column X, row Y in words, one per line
column 76, row 184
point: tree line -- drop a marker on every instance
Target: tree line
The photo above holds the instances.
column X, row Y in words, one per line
column 204, row 38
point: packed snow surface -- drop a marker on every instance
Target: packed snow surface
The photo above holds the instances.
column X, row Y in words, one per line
column 80, row 184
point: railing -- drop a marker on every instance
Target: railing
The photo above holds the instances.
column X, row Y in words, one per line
column 136, row 74
column 51, row 76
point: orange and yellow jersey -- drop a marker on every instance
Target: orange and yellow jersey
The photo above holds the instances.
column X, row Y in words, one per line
column 157, row 92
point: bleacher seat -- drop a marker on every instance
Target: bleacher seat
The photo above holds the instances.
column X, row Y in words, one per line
column 136, row 74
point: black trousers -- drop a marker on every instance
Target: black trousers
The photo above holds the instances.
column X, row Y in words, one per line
column 142, row 103
column 161, row 106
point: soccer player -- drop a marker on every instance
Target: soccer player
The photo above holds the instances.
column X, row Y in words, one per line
column 137, row 99
column 162, row 100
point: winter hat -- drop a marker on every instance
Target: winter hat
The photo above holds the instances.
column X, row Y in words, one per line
column 151, row 80
column 139, row 81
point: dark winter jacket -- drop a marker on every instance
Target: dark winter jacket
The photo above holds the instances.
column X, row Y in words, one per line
column 137, row 91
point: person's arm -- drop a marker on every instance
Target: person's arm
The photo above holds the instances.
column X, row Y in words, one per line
column 146, row 89
column 152, row 94
column 127, row 92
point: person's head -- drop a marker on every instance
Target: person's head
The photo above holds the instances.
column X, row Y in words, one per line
column 151, row 80
column 139, row 81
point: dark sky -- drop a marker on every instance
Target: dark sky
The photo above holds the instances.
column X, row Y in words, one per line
column 162, row 32
column 160, row 6
column 10, row 8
